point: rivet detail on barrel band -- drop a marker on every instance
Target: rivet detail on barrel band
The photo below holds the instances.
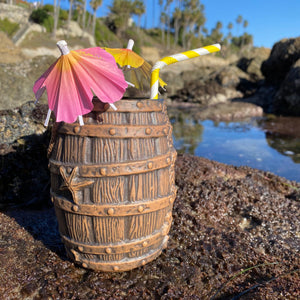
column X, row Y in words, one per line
column 125, row 265
column 75, row 208
column 112, row 131
column 140, row 208
column 80, row 248
column 119, row 169
column 139, row 104
column 77, row 129
column 116, row 210
column 148, row 131
column 136, row 245
column 110, row 211
column 117, row 131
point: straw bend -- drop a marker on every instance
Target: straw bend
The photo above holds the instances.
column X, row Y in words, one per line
column 168, row 60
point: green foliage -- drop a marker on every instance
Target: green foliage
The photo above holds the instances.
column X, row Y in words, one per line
column 131, row 34
column 240, row 41
column 49, row 23
column 39, row 15
column 44, row 16
column 8, row 27
column 104, row 37
column 63, row 15
column 48, row 8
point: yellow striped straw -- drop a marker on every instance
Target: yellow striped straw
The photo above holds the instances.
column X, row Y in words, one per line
column 168, row 60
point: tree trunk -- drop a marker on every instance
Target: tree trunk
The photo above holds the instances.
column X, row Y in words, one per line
column 56, row 16
column 69, row 17
column 94, row 22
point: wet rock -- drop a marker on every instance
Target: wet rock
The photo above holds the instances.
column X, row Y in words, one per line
column 287, row 99
column 251, row 62
column 235, row 233
column 283, row 135
column 230, row 112
column 17, row 80
column 230, row 76
column 205, row 93
column 283, row 55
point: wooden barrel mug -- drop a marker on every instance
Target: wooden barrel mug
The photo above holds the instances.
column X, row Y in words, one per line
column 113, row 184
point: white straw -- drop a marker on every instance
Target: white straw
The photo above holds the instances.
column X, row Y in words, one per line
column 81, row 123
column 47, row 118
column 129, row 83
column 113, row 106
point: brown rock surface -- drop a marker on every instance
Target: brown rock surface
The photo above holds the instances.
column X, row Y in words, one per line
column 226, row 219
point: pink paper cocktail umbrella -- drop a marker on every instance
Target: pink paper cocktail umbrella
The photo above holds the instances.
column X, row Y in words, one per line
column 132, row 63
column 73, row 80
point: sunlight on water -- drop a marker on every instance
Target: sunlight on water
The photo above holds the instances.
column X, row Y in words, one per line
column 239, row 144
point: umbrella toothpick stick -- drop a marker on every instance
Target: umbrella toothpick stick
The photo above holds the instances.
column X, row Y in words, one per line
column 168, row 60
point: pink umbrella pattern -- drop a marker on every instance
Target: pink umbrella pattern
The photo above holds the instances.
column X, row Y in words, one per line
column 73, row 80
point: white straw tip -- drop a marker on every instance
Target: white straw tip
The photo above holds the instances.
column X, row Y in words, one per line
column 63, row 47
column 130, row 44
column 61, row 43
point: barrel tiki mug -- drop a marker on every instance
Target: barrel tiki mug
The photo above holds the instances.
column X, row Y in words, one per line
column 112, row 184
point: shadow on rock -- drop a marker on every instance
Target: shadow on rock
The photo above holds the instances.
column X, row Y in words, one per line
column 24, row 189
column 24, row 175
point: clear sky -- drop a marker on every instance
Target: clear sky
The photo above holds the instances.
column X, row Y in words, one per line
column 269, row 20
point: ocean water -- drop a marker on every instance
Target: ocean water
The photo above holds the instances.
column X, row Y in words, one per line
column 239, row 144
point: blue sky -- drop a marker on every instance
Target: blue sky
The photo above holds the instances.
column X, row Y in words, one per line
column 269, row 20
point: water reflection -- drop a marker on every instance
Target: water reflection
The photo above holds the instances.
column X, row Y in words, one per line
column 256, row 143
column 187, row 133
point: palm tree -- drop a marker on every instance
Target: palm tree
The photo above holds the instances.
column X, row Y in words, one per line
column 95, row 4
column 162, row 21
column 84, row 14
column 69, row 16
column 177, row 14
column 245, row 25
column 229, row 27
column 120, row 12
column 239, row 21
column 200, row 21
column 139, row 10
column 167, row 8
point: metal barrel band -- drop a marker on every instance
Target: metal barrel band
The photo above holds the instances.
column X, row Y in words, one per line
column 119, row 169
column 131, row 106
column 124, row 265
column 127, row 247
column 116, row 210
column 116, row 131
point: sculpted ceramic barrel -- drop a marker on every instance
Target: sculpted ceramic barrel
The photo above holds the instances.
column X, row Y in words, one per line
column 112, row 184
